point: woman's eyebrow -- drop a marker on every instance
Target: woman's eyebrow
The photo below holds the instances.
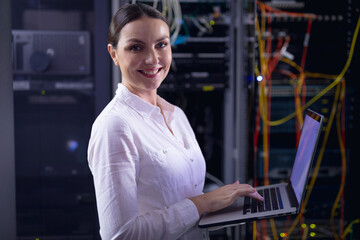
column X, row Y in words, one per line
column 136, row 40
column 163, row 38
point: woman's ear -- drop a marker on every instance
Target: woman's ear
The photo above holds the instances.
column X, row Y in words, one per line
column 112, row 53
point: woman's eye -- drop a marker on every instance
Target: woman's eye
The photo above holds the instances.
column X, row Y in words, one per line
column 135, row 48
column 162, row 45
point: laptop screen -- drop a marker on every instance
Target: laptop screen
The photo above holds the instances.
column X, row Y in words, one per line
column 305, row 151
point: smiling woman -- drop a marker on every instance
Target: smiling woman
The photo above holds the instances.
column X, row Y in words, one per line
column 143, row 53
column 148, row 168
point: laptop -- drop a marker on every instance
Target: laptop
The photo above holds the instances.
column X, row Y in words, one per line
column 279, row 199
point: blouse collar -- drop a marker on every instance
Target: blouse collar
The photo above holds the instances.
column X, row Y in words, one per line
column 141, row 106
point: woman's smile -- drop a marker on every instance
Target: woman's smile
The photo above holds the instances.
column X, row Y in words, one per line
column 150, row 73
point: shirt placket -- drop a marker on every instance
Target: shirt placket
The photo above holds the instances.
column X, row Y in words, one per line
column 180, row 145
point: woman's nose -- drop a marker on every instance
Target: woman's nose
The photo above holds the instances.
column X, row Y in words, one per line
column 151, row 57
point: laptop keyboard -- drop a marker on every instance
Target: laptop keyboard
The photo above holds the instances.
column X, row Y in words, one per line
column 272, row 201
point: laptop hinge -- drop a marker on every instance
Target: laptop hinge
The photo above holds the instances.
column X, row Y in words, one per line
column 292, row 196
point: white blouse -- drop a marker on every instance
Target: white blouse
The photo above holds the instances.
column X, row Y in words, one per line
column 144, row 174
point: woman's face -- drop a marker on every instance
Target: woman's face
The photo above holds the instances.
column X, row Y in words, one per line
column 143, row 54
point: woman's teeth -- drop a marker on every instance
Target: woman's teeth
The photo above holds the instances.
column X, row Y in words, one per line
column 150, row 72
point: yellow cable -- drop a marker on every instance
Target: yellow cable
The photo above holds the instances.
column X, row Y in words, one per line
column 262, row 89
column 301, row 81
column 308, row 74
column 273, row 227
column 263, row 109
column 349, row 227
column 325, row 90
column 291, row 63
column 263, row 100
column 343, row 163
column 257, row 72
column 264, row 68
column 298, row 108
column 306, row 230
column 320, row 75
column 266, row 151
column 318, row 161
column 265, row 139
column 261, row 49
column 254, row 230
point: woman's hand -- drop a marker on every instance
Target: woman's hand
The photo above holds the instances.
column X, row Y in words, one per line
column 223, row 197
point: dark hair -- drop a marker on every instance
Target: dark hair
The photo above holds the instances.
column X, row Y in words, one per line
column 126, row 14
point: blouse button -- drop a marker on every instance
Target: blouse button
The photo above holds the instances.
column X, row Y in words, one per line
column 191, row 159
column 164, row 151
column 195, row 185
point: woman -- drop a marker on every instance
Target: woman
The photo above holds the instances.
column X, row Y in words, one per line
column 147, row 166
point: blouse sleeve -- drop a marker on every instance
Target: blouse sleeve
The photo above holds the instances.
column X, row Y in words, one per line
column 114, row 163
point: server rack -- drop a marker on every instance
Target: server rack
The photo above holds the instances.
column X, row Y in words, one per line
column 309, row 43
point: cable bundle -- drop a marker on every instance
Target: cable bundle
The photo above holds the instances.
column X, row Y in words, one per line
column 267, row 66
column 172, row 11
